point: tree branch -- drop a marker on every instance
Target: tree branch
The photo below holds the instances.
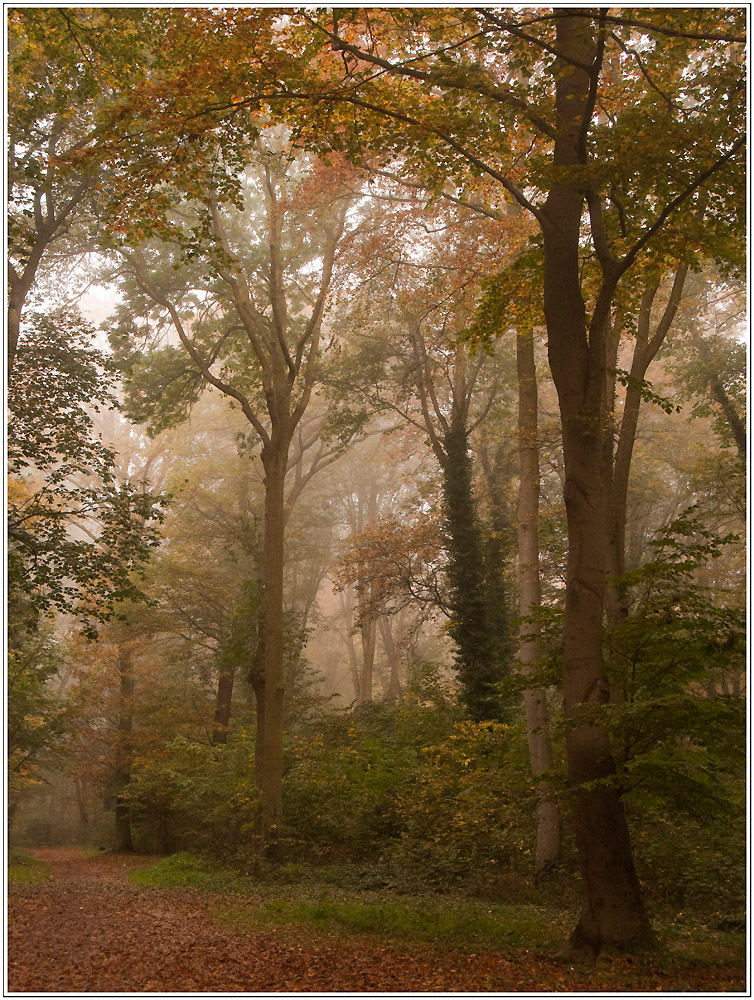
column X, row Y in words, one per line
column 140, row 273
column 629, row 258
column 438, row 79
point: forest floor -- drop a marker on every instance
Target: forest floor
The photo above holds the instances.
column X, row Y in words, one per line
column 86, row 928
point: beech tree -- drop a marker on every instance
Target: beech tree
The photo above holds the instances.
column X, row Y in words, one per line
column 264, row 305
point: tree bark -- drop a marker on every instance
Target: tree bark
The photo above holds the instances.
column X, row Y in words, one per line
column 271, row 775
column 19, row 286
column 472, row 627
column 535, row 698
column 393, row 658
column 82, row 801
column 368, row 646
column 223, row 701
column 124, row 751
column 612, row 914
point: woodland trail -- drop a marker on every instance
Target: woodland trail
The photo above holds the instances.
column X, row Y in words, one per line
column 89, row 930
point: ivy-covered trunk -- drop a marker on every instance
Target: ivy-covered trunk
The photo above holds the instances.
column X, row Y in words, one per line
column 473, row 624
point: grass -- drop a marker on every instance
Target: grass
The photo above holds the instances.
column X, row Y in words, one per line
column 190, row 871
column 23, row 868
column 343, row 901
column 693, row 942
column 326, row 902
column 448, row 922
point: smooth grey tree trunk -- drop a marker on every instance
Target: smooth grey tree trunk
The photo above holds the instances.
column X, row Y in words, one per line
column 535, row 698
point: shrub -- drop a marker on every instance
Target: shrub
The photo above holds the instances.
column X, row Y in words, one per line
column 345, row 773
column 467, row 814
column 195, row 796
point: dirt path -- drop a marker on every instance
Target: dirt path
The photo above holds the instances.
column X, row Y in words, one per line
column 88, row 930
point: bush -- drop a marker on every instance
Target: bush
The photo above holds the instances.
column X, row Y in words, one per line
column 693, row 866
column 194, row 796
column 467, row 815
column 345, row 773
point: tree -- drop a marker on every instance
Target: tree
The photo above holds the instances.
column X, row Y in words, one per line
column 710, row 361
column 75, row 534
column 65, row 66
column 78, row 536
column 410, row 358
column 535, row 698
column 677, row 642
column 511, row 306
column 273, row 294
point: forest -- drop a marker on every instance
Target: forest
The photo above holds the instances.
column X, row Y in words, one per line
column 376, row 499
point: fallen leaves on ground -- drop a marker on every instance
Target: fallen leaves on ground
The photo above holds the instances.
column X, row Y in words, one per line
column 89, row 930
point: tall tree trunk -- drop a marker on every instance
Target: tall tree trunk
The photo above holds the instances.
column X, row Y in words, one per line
column 223, row 702
column 612, row 914
column 353, row 662
column 346, row 607
column 271, row 774
column 368, row 645
column 82, row 801
column 255, row 677
column 535, row 698
column 393, row 658
column 124, row 751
